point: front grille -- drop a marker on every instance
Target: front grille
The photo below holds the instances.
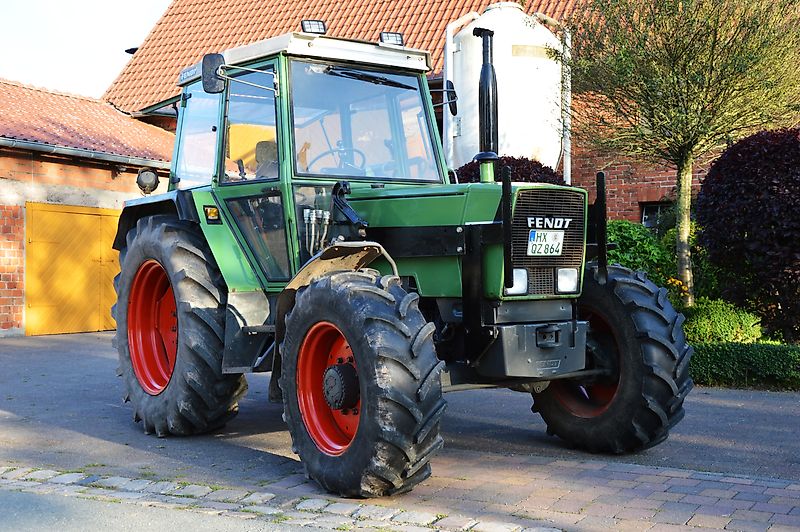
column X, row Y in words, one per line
column 547, row 203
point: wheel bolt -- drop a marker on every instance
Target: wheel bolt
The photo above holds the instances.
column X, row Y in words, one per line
column 340, row 360
column 355, row 411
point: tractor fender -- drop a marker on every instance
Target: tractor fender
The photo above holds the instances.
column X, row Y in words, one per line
column 343, row 256
column 176, row 202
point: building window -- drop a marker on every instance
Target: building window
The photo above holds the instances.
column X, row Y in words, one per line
column 652, row 211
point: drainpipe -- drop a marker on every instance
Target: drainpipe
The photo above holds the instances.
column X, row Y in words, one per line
column 566, row 93
column 448, row 121
column 82, row 153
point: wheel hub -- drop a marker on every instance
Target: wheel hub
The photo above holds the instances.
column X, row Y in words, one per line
column 340, row 386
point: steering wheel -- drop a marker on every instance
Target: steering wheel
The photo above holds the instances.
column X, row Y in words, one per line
column 342, row 164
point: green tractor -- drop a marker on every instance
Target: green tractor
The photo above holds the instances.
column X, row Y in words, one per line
column 312, row 230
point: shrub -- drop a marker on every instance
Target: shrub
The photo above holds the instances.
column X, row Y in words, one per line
column 639, row 249
column 760, row 365
column 748, row 207
column 522, row 170
column 705, row 274
column 714, row 320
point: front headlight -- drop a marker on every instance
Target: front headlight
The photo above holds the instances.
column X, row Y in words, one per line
column 520, row 286
column 567, row 280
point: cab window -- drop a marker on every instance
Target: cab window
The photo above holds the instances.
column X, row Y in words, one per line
column 350, row 121
column 251, row 137
column 196, row 157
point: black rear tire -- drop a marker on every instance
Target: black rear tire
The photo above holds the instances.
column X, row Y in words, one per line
column 640, row 337
column 398, row 379
column 198, row 397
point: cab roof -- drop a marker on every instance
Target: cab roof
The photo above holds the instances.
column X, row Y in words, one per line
column 321, row 47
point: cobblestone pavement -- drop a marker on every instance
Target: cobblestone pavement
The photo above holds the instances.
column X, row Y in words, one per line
column 64, row 431
column 524, row 493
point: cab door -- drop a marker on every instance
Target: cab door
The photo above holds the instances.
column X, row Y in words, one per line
column 250, row 189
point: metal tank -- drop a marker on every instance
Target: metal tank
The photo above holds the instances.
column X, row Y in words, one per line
column 529, row 86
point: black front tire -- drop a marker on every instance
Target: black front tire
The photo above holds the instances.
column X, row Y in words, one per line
column 641, row 335
column 198, row 397
column 398, row 378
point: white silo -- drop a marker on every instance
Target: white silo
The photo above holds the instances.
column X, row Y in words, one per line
column 529, row 91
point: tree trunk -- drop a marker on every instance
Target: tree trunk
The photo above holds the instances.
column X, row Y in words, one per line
column 682, row 213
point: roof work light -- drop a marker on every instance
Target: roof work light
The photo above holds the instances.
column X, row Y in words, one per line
column 313, row 26
column 391, row 37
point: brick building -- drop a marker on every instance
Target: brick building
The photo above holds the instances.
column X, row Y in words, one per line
column 67, row 163
column 191, row 28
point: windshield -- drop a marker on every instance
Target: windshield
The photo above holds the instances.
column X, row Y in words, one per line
column 360, row 123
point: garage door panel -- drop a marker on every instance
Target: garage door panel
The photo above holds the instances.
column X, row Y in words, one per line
column 68, row 267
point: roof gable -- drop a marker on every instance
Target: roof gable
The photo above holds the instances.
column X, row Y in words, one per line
column 191, row 28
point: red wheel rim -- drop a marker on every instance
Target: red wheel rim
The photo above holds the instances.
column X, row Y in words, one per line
column 589, row 400
column 152, row 327
column 332, row 430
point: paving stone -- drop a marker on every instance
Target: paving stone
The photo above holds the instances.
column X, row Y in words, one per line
column 163, row 487
column 749, row 515
column 113, row 482
column 635, row 513
column 755, row 497
column 375, row 513
column 602, row 510
column 137, row 484
column 263, row 509
column 297, row 523
column 455, row 522
column 415, row 518
column 494, row 526
column 218, row 505
column 594, row 522
column 747, row 526
column 14, row 474
column 41, row 474
column 129, row 495
column 313, row 505
column 192, row 490
column 792, row 520
column 87, row 481
column 699, row 499
column 720, row 511
column 667, row 496
column 709, row 521
column 410, row 528
column 226, row 495
column 238, row 514
column 258, row 497
column 773, row 508
column 735, row 504
column 628, row 525
column 649, row 504
column 782, row 528
column 67, row 478
column 342, row 508
column 334, row 521
column 718, row 493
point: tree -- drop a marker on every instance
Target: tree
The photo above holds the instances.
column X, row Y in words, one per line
column 670, row 81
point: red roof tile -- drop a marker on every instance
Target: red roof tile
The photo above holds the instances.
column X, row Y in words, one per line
column 191, row 28
column 38, row 115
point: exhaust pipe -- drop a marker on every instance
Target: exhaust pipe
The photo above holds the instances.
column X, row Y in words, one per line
column 487, row 108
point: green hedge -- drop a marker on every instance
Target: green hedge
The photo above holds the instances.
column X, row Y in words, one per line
column 760, row 365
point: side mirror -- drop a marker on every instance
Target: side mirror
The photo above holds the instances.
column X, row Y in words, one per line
column 451, row 97
column 212, row 82
column 147, row 180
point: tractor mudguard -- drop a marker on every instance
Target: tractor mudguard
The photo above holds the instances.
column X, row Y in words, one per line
column 343, row 256
column 176, row 202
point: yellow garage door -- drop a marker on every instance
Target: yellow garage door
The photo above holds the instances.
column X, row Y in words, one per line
column 70, row 268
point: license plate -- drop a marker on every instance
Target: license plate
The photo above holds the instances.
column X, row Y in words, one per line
column 545, row 243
